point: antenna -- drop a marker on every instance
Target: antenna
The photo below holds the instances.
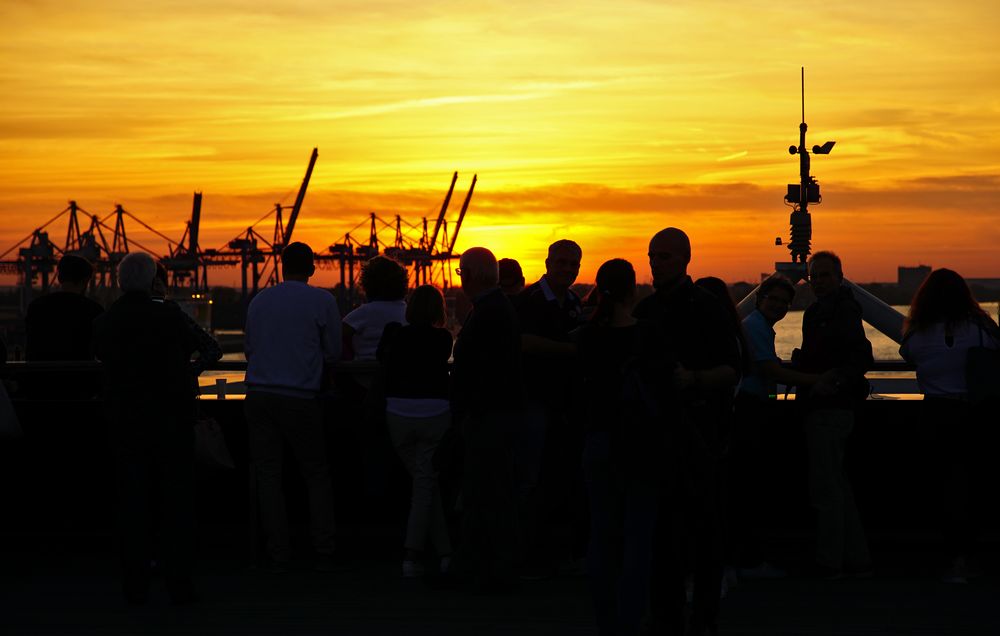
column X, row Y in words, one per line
column 803, row 94
column 800, row 195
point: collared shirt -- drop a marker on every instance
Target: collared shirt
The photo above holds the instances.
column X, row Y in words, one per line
column 760, row 340
column 292, row 330
column 540, row 313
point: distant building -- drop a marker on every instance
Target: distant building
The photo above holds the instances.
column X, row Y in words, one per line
column 909, row 279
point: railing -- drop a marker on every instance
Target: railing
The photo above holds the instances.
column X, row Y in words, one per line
column 887, row 377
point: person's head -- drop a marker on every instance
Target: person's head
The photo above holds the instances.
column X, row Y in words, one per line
column 774, row 297
column 74, row 273
column 297, row 262
column 669, row 255
column 715, row 286
column 511, row 276
column 615, row 286
column 136, row 273
column 426, row 307
column 826, row 273
column 944, row 297
column 479, row 271
column 383, row 278
column 563, row 264
column 160, row 281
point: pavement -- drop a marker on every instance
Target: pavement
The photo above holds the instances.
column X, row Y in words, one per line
column 68, row 585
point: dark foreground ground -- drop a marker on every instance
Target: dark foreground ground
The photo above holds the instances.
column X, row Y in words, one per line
column 68, row 586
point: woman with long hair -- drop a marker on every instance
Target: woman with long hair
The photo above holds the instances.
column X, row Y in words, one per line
column 620, row 481
column 943, row 324
column 417, row 413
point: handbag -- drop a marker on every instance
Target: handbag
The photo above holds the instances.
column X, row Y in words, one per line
column 210, row 444
column 982, row 373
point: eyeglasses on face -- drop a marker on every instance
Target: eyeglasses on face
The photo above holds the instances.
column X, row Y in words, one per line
column 458, row 270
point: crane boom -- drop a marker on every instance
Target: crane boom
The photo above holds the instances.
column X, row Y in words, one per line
column 461, row 215
column 298, row 200
column 195, row 223
column 444, row 210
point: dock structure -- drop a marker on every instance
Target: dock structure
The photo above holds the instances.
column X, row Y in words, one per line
column 105, row 240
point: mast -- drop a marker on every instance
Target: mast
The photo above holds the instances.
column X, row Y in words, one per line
column 799, row 196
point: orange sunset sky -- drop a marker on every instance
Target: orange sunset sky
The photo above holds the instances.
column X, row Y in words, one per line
column 598, row 121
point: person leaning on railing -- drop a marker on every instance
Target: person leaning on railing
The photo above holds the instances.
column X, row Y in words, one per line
column 944, row 323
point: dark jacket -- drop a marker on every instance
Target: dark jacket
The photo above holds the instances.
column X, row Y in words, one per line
column 693, row 330
column 59, row 327
column 146, row 349
column 486, row 376
column 834, row 338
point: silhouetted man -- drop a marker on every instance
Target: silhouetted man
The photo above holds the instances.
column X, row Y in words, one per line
column 551, row 443
column 833, row 344
column 59, row 327
column 146, row 350
column 486, row 402
column 755, row 410
column 292, row 331
column 696, row 342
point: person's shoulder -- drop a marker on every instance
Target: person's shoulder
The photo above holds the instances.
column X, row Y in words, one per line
column 846, row 305
column 645, row 309
column 322, row 296
column 755, row 321
column 48, row 302
column 530, row 295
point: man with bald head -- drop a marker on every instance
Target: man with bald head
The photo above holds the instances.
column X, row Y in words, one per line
column 486, row 403
column 700, row 361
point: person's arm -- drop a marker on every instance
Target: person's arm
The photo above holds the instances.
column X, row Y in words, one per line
column 207, row 347
column 544, row 347
column 773, row 370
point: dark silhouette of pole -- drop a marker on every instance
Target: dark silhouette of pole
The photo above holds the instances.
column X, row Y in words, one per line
column 290, row 227
column 444, row 210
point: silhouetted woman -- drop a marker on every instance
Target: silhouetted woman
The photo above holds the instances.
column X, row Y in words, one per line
column 944, row 322
column 415, row 360
column 619, row 475
column 384, row 282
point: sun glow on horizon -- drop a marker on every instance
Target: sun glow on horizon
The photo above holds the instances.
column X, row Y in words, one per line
column 597, row 122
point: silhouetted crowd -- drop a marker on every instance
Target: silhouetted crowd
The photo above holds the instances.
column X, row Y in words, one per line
column 606, row 436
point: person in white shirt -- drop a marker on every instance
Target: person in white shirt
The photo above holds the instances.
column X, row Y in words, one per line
column 944, row 323
column 385, row 282
column 292, row 334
